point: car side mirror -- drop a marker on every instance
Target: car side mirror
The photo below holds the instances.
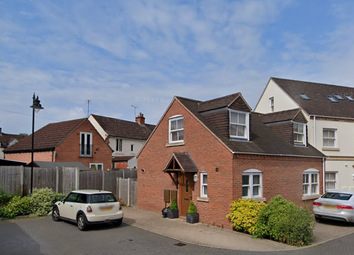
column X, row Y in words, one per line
column 62, row 200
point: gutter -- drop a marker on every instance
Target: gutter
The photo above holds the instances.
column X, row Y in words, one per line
column 277, row 155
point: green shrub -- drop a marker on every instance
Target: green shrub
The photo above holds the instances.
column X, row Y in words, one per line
column 283, row 221
column 43, row 200
column 4, row 197
column 244, row 214
column 16, row 206
column 192, row 209
column 173, row 205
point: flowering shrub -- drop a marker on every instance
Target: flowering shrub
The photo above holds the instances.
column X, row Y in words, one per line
column 244, row 214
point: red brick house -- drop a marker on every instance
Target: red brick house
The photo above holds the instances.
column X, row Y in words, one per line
column 217, row 151
column 67, row 141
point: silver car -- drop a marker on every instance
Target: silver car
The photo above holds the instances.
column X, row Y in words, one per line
column 335, row 205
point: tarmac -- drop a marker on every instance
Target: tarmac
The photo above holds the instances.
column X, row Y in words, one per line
column 211, row 236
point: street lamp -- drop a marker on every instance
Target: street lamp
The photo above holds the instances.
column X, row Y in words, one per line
column 36, row 107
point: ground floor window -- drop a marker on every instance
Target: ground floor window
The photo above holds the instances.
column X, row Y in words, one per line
column 96, row 166
column 310, row 183
column 203, row 184
column 251, row 183
column 331, row 180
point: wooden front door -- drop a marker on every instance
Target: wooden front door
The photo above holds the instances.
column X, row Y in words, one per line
column 185, row 188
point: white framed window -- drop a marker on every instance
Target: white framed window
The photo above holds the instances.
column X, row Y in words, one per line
column 176, row 131
column 299, row 130
column 132, row 147
column 252, row 183
column 203, row 184
column 271, row 104
column 331, row 180
column 329, row 138
column 85, row 144
column 119, row 144
column 239, row 125
column 310, row 182
column 96, row 166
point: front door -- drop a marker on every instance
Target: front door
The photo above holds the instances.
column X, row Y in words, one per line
column 185, row 192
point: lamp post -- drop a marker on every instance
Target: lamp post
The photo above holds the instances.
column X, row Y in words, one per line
column 36, row 107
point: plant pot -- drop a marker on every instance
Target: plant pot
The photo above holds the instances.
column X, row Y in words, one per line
column 172, row 214
column 192, row 218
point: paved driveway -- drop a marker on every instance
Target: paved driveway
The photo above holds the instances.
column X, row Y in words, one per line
column 43, row 236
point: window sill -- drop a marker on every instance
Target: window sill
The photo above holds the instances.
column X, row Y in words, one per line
column 330, row 149
column 203, row 199
column 175, row 144
column 86, row 156
column 310, row 197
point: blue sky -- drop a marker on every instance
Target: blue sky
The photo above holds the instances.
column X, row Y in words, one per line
column 142, row 53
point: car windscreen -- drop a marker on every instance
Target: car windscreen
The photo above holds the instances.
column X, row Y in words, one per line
column 335, row 195
column 102, row 198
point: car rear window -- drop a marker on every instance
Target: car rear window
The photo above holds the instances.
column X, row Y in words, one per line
column 335, row 195
column 102, row 198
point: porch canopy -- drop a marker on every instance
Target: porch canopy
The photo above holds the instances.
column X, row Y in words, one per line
column 180, row 162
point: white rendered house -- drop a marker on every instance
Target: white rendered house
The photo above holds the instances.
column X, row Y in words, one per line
column 329, row 111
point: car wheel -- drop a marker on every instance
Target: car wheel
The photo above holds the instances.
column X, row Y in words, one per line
column 118, row 222
column 55, row 214
column 81, row 222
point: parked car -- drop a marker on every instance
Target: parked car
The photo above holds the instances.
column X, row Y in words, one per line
column 87, row 207
column 335, row 205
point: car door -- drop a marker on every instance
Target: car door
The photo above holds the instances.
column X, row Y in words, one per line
column 67, row 208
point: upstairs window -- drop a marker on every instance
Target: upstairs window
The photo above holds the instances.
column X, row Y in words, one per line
column 176, row 132
column 271, row 104
column 299, row 133
column 85, row 144
column 119, row 144
column 329, row 138
column 239, row 125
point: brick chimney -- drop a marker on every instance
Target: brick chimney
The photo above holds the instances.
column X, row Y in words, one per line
column 140, row 119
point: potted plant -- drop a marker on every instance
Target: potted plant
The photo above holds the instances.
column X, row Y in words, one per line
column 172, row 210
column 192, row 214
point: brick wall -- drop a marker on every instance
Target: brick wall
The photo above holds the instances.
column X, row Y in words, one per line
column 26, row 157
column 69, row 149
column 206, row 152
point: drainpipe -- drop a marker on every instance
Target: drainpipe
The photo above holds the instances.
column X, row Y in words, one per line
column 323, row 175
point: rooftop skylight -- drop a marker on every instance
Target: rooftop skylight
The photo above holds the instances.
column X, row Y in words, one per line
column 332, row 99
column 304, row 96
column 338, row 96
column 349, row 97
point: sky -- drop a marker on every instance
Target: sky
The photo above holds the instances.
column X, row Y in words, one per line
column 118, row 58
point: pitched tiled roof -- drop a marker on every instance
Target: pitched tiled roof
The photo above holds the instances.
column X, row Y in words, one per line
column 6, row 139
column 185, row 163
column 124, row 129
column 46, row 138
column 217, row 103
column 264, row 140
column 281, row 116
column 318, row 103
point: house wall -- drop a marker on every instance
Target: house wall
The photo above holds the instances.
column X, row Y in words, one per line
column 282, row 101
column 69, row 149
column 207, row 153
column 341, row 158
column 26, row 157
column 280, row 175
column 126, row 146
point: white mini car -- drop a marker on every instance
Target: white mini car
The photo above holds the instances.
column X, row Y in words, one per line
column 87, row 207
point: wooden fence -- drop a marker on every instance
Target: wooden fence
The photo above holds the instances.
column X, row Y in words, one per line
column 122, row 182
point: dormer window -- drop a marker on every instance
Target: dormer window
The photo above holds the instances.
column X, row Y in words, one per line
column 299, row 133
column 176, row 133
column 239, row 125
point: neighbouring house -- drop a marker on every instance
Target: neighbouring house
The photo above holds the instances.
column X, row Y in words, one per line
column 125, row 138
column 67, row 141
column 328, row 124
column 7, row 140
column 213, row 152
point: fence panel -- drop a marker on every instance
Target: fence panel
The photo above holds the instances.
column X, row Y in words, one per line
column 90, row 179
column 69, row 179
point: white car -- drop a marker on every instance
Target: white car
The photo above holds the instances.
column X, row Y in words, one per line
column 87, row 207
